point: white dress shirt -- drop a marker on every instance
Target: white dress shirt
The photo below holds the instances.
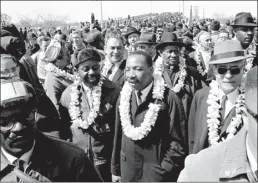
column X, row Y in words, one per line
column 144, row 92
column 230, row 102
column 89, row 94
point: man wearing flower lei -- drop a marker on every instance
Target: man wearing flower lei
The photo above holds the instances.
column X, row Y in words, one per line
column 150, row 126
column 236, row 159
column 243, row 29
column 184, row 80
column 201, row 56
column 215, row 114
column 90, row 101
column 113, row 66
column 57, row 78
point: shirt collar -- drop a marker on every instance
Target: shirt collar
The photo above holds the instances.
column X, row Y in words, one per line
column 146, row 91
column 25, row 157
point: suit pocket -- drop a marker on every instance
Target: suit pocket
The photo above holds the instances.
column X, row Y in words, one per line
column 123, row 156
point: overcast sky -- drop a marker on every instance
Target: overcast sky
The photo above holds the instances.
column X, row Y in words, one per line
column 81, row 10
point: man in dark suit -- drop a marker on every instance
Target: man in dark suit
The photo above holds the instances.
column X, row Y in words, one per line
column 28, row 155
column 214, row 107
column 236, row 159
column 149, row 148
column 184, row 80
column 91, row 103
column 113, row 66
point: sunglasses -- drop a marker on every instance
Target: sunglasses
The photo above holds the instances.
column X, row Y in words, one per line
column 233, row 70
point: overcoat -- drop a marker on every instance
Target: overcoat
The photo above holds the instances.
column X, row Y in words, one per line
column 159, row 156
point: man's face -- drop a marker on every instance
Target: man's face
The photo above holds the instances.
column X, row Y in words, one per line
column 148, row 48
column 9, row 68
column 223, row 36
column 132, row 38
column 205, row 41
column 170, row 55
column 137, row 72
column 44, row 45
column 228, row 81
column 245, row 35
column 114, row 50
column 89, row 73
column 184, row 52
column 77, row 39
column 19, row 139
column 195, row 31
column 66, row 58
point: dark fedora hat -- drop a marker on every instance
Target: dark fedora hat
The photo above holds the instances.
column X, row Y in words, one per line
column 168, row 38
column 147, row 38
column 131, row 30
column 244, row 19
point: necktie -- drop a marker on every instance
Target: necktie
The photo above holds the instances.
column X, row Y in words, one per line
column 22, row 166
column 109, row 72
column 138, row 95
column 223, row 107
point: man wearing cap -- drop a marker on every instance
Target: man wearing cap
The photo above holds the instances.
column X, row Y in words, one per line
column 90, row 102
column 147, row 42
column 150, row 126
column 113, row 66
column 132, row 35
column 236, row 159
column 243, row 29
column 181, row 78
column 27, row 155
column 215, row 113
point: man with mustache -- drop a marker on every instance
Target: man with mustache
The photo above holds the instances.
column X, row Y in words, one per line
column 243, row 29
column 150, row 126
column 90, row 101
column 113, row 66
column 184, row 80
column 236, row 159
column 28, row 155
column 215, row 113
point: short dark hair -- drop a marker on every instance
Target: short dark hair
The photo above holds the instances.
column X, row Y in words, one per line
column 143, row 53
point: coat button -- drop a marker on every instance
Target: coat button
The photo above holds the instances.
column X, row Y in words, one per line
column 227, row 173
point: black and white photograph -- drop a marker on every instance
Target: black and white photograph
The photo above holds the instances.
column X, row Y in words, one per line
column 128, row 91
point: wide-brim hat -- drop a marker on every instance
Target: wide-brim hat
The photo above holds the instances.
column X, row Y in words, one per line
column 168, row 38
column 131, row 30
column 244, row 19
column 227, row 52
column 147, row 38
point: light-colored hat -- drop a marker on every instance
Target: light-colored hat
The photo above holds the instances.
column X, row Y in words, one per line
column 227, row 52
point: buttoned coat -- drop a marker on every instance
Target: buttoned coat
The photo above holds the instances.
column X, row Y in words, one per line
column 225, row 162
column 159, row 156
column 197, row 123
column 97, row 141
column 54, row 160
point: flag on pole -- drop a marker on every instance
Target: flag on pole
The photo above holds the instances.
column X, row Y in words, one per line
column 191, row 18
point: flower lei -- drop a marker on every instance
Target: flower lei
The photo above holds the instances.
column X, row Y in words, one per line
column 198, row 61
column 137, row 133
column 177, row 88
column 249, row 65
column 107, row 65
column 74, row 110
column 214, row 99
column 60, row 73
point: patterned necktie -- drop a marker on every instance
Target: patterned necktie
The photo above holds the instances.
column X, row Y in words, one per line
column 138, row 95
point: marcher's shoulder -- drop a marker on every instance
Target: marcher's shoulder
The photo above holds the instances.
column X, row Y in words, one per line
column 202, row 92
column 66, row 96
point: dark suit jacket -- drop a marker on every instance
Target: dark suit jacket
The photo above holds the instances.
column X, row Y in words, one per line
column 225, row 162
column 197, row 124
column 119, row 77
column 160, row 155
column 97, row 141
column 57, row 160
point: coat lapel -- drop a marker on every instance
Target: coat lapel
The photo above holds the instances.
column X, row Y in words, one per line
column 119, row 73
column 226, row 122
column 167, row 79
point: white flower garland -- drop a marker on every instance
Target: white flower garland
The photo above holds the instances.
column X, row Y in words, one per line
column 60, row 73
column 249, row 64
column 137, row 133
column 214, row 99
column 106, row 67
column 74, row 110
column 177, row 88
column 198, row 61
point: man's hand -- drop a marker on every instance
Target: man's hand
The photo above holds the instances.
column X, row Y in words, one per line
column 116, row 178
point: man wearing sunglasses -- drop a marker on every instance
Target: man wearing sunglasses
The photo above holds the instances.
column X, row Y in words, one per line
column 214, row 110
column 27, row 154
column 236, row 159
column 90, row 102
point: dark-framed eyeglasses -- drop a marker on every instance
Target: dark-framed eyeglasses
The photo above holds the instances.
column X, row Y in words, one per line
column 255, row 116
column 8, row 123
column 233, row 70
